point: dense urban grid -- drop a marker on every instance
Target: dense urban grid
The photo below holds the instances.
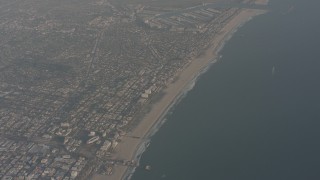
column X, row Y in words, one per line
column 76, row 76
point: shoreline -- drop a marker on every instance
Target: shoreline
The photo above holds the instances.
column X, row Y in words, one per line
column 131, row 148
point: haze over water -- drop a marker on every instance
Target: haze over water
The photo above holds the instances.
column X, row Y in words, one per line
column 255, row 115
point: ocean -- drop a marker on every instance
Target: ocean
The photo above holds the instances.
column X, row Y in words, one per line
column 255, row 114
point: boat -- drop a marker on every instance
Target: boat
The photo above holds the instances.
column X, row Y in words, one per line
column 273, row 70
column 148, row 168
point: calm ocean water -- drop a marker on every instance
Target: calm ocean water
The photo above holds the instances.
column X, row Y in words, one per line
column 255, row 115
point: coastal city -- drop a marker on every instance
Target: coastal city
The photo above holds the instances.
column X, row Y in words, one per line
column 77, row 77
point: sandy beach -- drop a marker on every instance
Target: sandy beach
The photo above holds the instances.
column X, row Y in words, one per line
column 128, row 148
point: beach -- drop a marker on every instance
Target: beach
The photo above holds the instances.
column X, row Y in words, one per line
column 131, row 148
